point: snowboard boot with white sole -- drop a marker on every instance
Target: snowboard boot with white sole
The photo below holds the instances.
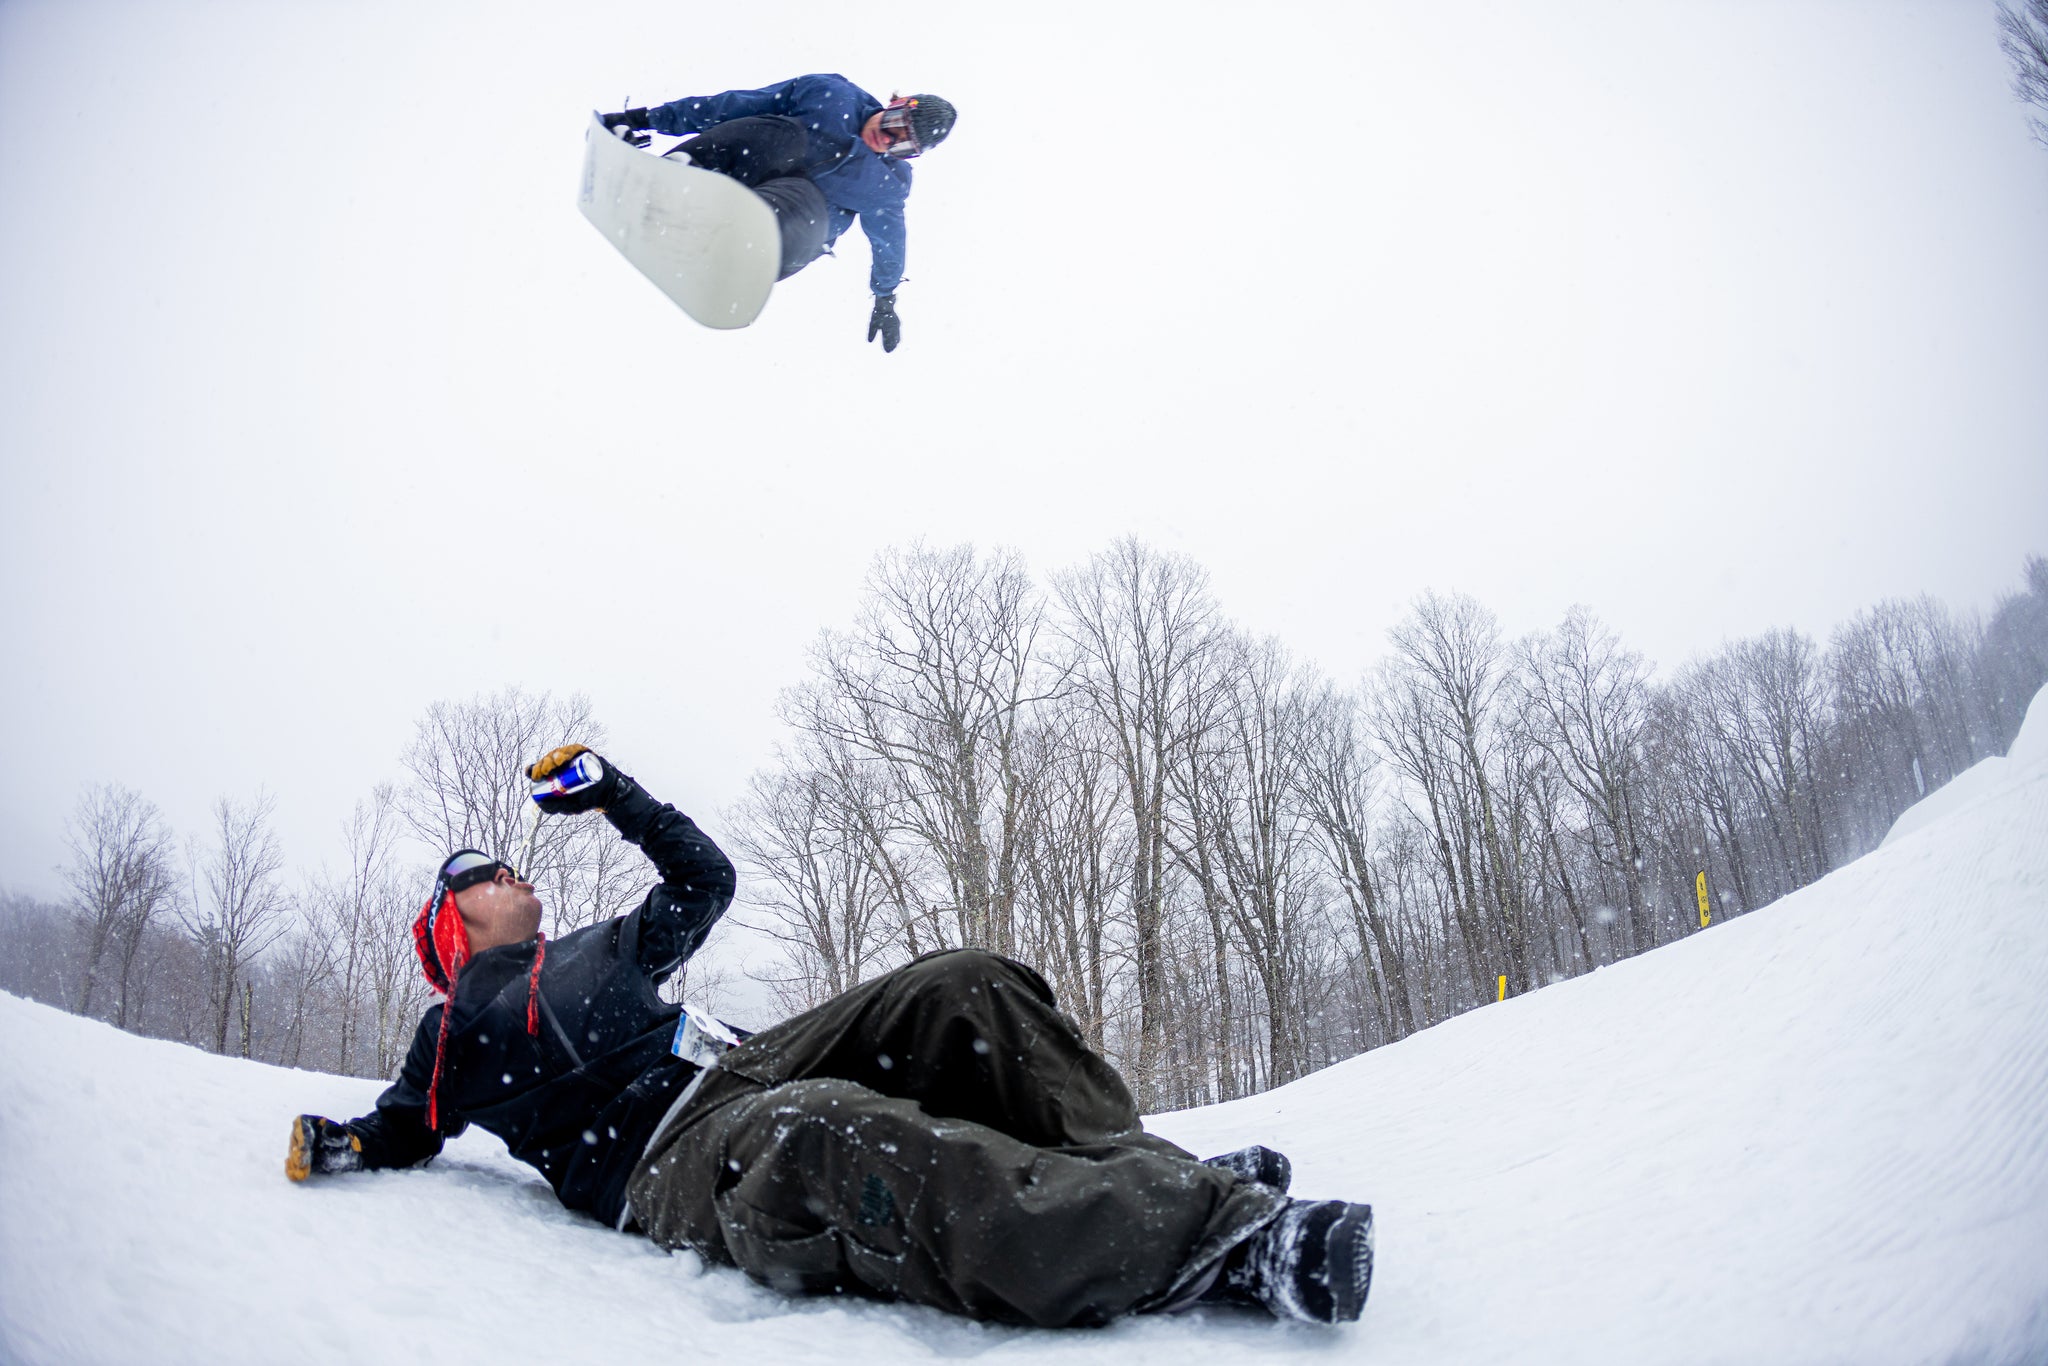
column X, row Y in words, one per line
column 1313, row 1264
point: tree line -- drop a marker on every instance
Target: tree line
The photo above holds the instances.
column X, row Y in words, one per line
column 1235, row 870
column 209, row 940
column 1232, row 868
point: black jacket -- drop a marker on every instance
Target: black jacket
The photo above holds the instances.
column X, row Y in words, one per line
column 579, row 1101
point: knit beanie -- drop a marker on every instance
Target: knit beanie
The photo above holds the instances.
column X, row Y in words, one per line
column 931, row 118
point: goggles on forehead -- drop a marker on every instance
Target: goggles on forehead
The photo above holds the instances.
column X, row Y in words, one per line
column 468, row 867
column 896, row 127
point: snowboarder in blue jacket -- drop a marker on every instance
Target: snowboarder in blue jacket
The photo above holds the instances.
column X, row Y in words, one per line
column 822, row 152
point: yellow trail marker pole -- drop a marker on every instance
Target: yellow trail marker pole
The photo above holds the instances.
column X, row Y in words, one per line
column 1701, row 887
column 1503, row 990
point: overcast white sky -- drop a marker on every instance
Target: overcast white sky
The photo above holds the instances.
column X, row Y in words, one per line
column 319, row 401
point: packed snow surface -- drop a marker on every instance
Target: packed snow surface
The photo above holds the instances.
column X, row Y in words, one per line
column 1818, row 1133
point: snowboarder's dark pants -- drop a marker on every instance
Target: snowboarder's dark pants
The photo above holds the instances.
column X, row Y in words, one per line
column 766, row 154
column 941, row 1134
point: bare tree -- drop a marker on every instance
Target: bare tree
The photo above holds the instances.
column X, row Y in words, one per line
column 1763, row 702
column 1703, row 783
column 309, row 961
column 38, row 947
column 468, row 789
column 1587, row 708
column 1195, row 840
column 1137, row 623
column 1910, row 710
column 1559, row 880
column 122, row 877
column 398, row 990
column 1240, row 832
column 935, row 683
column 1244, row 776
column 468, row 761
column 2024, row 39
column 588, row 876
column 1337, row 788
column 346, row 910
column 1437, row 716
column 800, row 831
column 1203, row 785
column 239, row 910
column 1074, row 849
column 2015, row 654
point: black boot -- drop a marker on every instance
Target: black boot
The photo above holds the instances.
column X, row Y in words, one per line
column 1313, row 1263
column 1256, row 1163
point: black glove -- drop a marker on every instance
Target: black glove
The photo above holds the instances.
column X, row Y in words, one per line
column 885, row 321
column 630, row 124
column 321, row 1145
column 549, row 769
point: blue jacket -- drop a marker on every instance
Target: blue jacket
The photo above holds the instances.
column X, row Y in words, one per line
column 854, row 180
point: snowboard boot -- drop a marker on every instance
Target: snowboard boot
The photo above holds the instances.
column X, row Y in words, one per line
column 1313, row 1264
column 1256, row 1163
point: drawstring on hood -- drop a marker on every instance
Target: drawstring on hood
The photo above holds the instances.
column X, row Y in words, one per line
column 540, row 952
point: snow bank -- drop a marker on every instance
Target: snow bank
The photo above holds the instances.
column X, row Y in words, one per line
column 2029, row 750
column 1818, row 1133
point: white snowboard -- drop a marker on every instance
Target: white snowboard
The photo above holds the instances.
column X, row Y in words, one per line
column 707, row 241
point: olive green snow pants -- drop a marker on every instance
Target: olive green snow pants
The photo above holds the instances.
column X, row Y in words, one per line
column 941, row 1134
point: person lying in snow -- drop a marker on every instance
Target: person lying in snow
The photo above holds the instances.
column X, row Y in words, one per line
column 820, row 150
column 939, row 1134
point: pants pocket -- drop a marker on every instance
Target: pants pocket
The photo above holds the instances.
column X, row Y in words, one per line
column 878, row 1272
column 779, row 1254
column 878, row 1240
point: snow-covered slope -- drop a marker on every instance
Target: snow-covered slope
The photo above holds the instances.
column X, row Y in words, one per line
column 1818, row 1133
column 1981, row 780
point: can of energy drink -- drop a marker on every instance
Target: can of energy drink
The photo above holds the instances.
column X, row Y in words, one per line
column 584, row 772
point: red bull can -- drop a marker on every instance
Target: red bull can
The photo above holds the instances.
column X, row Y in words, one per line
column 584, row 772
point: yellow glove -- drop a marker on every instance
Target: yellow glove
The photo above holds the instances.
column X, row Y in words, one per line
column 321, row 1145
column 572, row 778
column 554, row 761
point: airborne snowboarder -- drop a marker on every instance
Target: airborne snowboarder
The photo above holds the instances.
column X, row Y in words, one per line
column 821, row 151
column 939, row 1134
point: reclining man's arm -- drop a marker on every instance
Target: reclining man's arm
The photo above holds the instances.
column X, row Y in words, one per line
column 395, row 1134
column 697, row 878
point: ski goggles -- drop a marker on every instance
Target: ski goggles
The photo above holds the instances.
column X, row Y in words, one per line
column 896, row 127
column 467, row 867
